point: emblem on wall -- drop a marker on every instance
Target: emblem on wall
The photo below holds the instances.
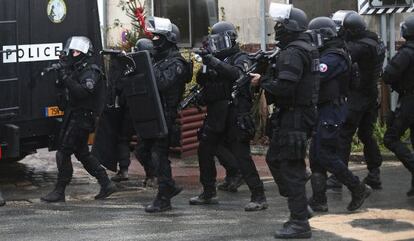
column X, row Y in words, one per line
column 56, row 10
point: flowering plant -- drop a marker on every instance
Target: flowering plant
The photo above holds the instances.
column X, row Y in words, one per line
column 135, row 10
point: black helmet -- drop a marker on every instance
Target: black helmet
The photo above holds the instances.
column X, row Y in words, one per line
column 222, row 37
column 349, row 23
column 354, row 22
column 407, row 28
column 288, row 20
column 144, row 44
column 325, row 26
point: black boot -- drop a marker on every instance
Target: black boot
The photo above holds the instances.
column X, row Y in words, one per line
column 318, row 202
column 333, row 184
column 257, row 202
column 161, row 203
column 359, row 194
column 107, row 187
column 122, row 175
column 150, row 182
column 294, row 229
column 235, row 183
column 206, row 197
column 224, row 186
column 2, row 201
column 231, row 184
column 373, row 179
column 57, row 195
column 410, row 193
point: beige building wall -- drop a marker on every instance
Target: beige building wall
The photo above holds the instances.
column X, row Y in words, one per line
column 245, row 15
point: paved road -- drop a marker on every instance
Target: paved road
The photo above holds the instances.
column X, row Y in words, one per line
column 388, row 215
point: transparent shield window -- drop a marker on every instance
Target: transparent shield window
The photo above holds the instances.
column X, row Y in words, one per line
column 204, row 15
column 390, row 3
column 178, row 12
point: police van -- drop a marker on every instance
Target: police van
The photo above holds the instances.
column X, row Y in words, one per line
column 32, row 34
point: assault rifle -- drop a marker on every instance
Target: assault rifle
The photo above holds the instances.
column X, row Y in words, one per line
column 192, row 98
column 261, row 59
column 56, row 66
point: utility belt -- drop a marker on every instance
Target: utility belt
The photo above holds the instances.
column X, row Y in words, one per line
column 337, row 101
column 406, row 92
column 83, row 113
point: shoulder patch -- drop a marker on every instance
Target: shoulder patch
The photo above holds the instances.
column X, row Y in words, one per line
column 323, row 68
column 179, row 69
column 90, row 84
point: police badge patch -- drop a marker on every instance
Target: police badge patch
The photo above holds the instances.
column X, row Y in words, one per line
column 179, row 69
column 90, row 84
column 56, row 10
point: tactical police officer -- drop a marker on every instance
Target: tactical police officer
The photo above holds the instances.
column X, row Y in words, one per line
column 292, row 85
column 127, row 131
column 336, row 76
column 86, row 96
column 399, row 74
column 2, row 201
column 227, row 118
column 368, row 52
column 171, row 72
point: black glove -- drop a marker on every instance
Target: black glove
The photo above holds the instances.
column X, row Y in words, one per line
column 210, row 60
column 63, row 75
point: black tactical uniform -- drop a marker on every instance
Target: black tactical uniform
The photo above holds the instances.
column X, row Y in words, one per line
column 292, row 85
column 336, row 78
column 227, row 118
column 368, row 52
column 86, row 96
column 2, row 201
column 399, row 74
column 127, row 130
column 171, row 72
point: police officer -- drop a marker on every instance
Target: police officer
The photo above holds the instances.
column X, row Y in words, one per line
column 86, row 96
column 399, row 74
column 127, row 131
column 292, row 85
column 171, row 72
column 335, row 73
column 2, row 201
column 368, row 52
column 227, row 118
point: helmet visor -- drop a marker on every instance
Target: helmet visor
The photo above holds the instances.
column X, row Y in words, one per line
column 158, row 25
column 81, row 44
column 279, row 12
column 219, row 42
column 339, row 18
